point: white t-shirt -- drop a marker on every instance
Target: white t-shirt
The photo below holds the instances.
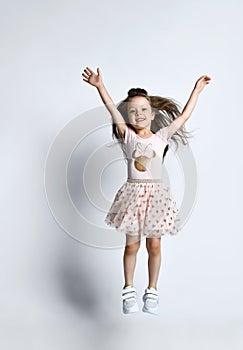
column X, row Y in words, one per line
column 145, row 155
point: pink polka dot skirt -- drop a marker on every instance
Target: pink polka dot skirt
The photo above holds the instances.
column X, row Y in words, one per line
column 144, row 208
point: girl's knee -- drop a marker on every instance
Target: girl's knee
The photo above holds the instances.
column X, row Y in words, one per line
column 132, row 244
column 153, row 246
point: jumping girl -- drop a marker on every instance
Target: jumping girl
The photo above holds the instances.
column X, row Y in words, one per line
column 144, row 205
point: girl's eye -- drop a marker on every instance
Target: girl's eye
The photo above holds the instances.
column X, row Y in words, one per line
column 132, row 111
column 144, row 109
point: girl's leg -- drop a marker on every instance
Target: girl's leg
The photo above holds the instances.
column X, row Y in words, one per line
column 129, row 258
column 154, row 261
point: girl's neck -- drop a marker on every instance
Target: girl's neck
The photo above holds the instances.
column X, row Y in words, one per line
column 144, row 133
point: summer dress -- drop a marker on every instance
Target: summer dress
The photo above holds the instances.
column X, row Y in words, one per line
column 144, row 205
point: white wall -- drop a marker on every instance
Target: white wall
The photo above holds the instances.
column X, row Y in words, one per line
column 57, row 293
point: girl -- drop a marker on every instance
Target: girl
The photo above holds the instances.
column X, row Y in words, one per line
column 144, row 206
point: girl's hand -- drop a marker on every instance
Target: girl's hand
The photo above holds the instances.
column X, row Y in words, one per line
column 92, row 78
column 202, row 82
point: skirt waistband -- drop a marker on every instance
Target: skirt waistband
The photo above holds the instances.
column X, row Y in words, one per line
column 144, row 180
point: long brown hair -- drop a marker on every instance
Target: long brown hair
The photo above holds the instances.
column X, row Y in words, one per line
column 166, row 111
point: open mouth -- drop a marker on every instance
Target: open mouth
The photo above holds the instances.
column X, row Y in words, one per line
column 140, row 119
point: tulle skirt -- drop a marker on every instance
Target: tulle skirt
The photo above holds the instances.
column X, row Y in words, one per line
column 145, row 208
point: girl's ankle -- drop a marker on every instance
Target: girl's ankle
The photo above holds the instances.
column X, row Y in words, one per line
column 149, row 287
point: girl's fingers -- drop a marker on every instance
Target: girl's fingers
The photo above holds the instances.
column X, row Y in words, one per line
column 206, row 77
column 85, row 75
column 89, row 70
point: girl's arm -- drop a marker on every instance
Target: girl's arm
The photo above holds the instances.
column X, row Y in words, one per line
column 96, row 80
column 190, row 105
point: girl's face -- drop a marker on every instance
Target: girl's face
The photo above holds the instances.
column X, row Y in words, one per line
column 140, row 112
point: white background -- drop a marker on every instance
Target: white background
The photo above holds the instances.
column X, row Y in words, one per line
column 57, row 293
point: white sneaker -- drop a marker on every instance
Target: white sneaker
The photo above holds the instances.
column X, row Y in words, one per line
column 129, row 297
column 151, row 301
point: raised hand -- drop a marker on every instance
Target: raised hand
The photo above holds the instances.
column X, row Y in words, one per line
column 92, row 78
column 202, row 82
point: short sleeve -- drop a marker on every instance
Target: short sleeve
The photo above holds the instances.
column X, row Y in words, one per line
column 129, row 135
column 126, row 135
column 163, row 133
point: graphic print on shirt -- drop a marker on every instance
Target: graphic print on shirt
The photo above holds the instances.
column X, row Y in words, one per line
column 143, row 155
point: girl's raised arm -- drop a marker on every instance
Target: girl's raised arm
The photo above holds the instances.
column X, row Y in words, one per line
column 190, row 105
column 96, row 80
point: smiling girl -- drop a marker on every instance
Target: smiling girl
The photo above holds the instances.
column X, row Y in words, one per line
column 144, row 205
